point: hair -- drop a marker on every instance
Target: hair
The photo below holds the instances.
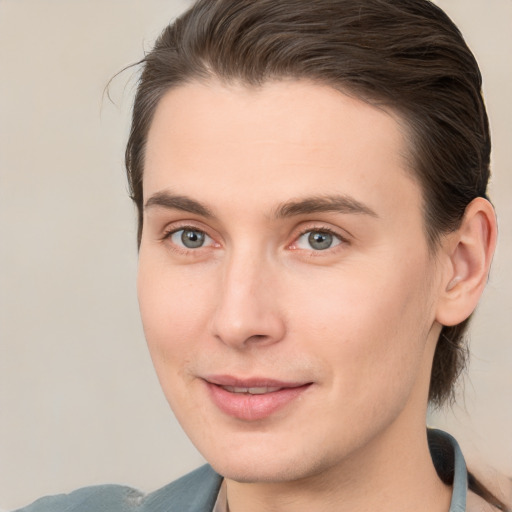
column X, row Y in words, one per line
column 406, row 56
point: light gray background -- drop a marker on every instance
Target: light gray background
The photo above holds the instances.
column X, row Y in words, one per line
column 79, row 403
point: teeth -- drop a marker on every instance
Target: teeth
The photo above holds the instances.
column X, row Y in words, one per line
column 251, row 391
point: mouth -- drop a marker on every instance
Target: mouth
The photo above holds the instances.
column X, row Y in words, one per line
column 251, row 391
column 252, row 399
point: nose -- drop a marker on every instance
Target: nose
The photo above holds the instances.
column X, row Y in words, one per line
column 247, row 312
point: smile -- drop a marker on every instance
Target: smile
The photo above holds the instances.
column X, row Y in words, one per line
column 252, row 399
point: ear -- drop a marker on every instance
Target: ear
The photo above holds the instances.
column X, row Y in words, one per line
column 466, row 259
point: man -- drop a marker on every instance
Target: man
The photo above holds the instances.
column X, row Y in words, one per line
column 314, row 234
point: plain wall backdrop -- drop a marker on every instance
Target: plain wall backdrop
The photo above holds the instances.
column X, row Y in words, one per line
column 79, row 402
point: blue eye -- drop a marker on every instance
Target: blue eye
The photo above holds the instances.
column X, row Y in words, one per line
column 318, row 240
column 189, row 238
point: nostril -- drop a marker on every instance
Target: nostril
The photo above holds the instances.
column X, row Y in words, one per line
column 258, row 337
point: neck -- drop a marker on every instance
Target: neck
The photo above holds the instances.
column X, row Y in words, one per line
column 382, row 476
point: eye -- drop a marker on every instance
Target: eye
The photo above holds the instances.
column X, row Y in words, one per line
column 189, row 238
column 318, row 240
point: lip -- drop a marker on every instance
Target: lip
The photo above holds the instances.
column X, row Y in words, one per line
column 269, row 395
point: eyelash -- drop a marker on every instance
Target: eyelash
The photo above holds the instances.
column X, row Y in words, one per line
column 311, row 229
column 182, row 249
column 324, row 230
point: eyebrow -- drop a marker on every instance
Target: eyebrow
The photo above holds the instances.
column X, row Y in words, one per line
column 332, row 203
column 177, row 202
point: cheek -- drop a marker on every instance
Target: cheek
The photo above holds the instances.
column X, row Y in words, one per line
column 370, row 327
column 175, row 308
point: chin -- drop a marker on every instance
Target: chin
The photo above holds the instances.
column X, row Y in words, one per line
column 270, row 465
column 276, row 472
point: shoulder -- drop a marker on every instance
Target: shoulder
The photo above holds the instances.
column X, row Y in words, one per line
column 114, row 498
column 194, row 492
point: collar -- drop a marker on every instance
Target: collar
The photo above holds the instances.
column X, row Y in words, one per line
column 450, row 466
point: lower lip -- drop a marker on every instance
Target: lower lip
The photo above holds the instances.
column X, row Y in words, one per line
column 247, row 407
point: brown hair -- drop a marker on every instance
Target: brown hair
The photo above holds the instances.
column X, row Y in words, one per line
column 404, row 55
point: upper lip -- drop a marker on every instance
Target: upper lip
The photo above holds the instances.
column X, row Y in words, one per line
column 252, row 382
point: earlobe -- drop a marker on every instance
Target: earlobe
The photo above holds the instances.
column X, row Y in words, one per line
column 467, row 256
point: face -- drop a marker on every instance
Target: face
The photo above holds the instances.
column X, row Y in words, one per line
column 285, row 284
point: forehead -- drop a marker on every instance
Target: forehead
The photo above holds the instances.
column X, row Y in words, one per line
column 274, row 142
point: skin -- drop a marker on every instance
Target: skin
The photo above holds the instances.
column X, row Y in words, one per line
column 358, row 320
